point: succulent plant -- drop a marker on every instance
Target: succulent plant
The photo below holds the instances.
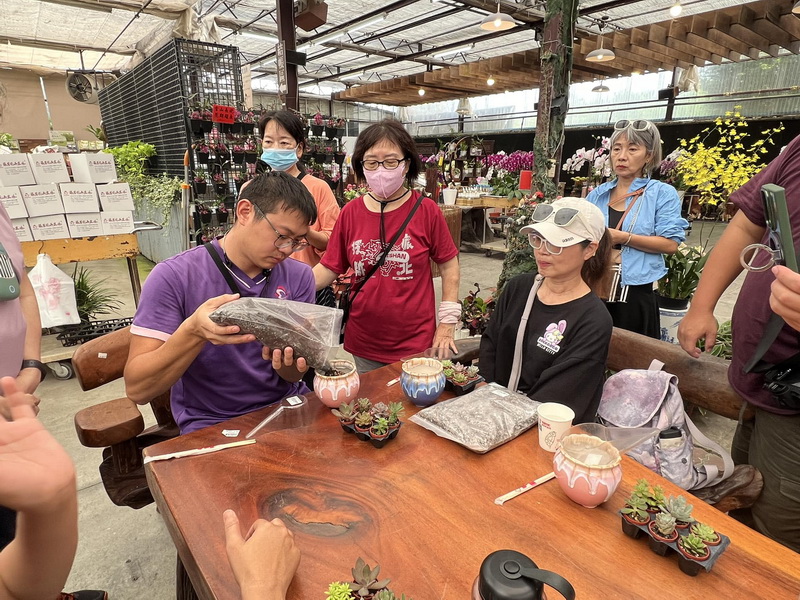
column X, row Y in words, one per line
column 365, row 579
column 446, row 364
column 380, row 426
column 459, row 378
column 395, row 412
column 693, row 544
column 380, row 410
column 641, row 489
column 655, row 498
column 459, row 368
column 448, row 372
column 346, row 411
column 364, row 420
column 705, row 532
column 472, row 372
column 363, row 405
column 678, row 508
column 636, row 508
column 665, row 524
column 339, row 591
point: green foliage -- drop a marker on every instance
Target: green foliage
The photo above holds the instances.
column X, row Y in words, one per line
column 159, row 192
column 338, row 591
column 365, row 579
column 705, row 532
column 346, row 410
column 380, row 426
column 395, row 412
column 475, row 311
column 6, row 139
column 92, row 297
column 519, row 257
column 665, row 524
column 130, row 157
column 363, row 405
column 98, row 133
column 683, row 272
column 693, row 544
column 723, row 346
column 679, row 508
column 364, row 420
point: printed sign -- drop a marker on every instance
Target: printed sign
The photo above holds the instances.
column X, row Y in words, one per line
column 223, row 114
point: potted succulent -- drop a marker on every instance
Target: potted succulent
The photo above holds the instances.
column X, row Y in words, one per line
column 634, row 513
column 317, row 124
column 662, row 531
column 362, row 424
column 338, row 591
column 460, row 378
column 346, row 413
column 706, row 533
column 200, row 181
column 365, row 580
column 238, row 153
column 222, row 211
column 204, row 213
column 379, row 432
column 693, row 551
column 678, row 508
column 220, row 185
column 395, row 412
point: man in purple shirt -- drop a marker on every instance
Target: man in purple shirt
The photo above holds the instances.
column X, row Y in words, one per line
column 215, row 372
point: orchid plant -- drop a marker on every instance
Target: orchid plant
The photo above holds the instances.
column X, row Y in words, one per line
column 598, row 159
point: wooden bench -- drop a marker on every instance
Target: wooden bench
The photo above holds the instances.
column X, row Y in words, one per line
column 702, row 382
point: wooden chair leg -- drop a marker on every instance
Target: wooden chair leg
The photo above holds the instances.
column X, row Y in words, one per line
column 183, row 585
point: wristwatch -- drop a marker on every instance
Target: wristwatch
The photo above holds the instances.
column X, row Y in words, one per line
column 35, row 364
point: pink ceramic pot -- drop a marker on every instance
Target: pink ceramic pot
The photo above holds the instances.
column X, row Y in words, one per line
column 588, row 469
column 334, row 390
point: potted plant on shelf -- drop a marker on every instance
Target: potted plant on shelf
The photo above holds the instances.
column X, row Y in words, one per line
column 341, row 125
column 238, row 154
column 317, row 124
column 662, row 531
column 706, row 533
column 220, row 185
column 693, row 551
column 204, row 213
column 222, row 153
column 248, row 121
column 330, row 128
column 222, row 211
column 328, row 158
column 250, row 150
column 681, row 510
column 203, row 151
column 346, row 413
column 475, row 311
column 634, row 513
column 379, row 432
column 200, row 181
column 363, row 423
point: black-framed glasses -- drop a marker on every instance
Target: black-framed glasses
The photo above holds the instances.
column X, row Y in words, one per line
column 562, row 218
column 638, row 125
column 283, row 243
column 537, row 241
column 390, row 164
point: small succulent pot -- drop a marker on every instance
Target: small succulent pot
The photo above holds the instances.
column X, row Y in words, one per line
column 348, row 425
column 422, row 380
column 689, row 563
column 362, row 433
column 587, row 484
column 709, row 543
column 464, row 388
column 658, row 547
column 631, row 527
column 682, row 525
column 658, row 542
column 333, row 390
column 394, row 429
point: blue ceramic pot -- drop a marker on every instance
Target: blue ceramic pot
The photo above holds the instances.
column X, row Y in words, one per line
column 422, row 380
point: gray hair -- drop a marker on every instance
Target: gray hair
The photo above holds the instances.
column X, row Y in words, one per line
column 650, row 138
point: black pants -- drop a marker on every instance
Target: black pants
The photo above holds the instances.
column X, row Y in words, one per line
column 639, row 313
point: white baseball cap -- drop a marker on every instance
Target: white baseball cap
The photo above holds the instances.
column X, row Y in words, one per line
column 581, row 221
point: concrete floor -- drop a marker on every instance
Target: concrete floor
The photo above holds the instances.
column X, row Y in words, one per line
column 129, row 552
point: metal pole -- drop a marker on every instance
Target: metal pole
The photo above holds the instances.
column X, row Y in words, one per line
column 286, row 34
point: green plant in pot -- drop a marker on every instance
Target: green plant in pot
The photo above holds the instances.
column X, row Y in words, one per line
column 159, row 193
column 677, row 287
column 132, row 158
column 92, row 297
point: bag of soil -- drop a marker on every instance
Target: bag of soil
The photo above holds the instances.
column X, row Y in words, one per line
column 311, row 330
column 481, row 420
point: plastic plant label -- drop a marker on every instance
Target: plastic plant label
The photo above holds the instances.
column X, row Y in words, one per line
column 231, row 433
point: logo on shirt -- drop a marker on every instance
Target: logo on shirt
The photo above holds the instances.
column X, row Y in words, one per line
column 551, row 340
column 397, row 264
column 280, row 292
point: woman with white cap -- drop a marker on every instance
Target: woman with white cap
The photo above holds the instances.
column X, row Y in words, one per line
column 561, row 328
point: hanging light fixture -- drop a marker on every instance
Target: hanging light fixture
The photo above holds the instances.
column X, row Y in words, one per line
column 421, row 92
column 676, row 9
column 796, row 8
column 464, row 109
column 490, row 81
column 601, row 87
column 601, row 54
column 498, row 21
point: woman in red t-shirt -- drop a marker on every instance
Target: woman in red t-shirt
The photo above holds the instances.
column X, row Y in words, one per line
column 392, row 315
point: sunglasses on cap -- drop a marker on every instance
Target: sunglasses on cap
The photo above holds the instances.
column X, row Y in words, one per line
column 562, row 218
column 638, row 125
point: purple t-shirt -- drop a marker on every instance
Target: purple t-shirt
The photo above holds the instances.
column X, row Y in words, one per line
column 752, row 310
column 12, row 321
column 223, row 381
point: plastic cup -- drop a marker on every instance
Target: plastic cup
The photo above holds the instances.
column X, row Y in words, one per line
column 554, row 420
column 450, row 195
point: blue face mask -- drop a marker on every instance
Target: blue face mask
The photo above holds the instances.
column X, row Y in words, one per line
column 280, row 160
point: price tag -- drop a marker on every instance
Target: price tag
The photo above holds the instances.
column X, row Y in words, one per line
column 223, row 114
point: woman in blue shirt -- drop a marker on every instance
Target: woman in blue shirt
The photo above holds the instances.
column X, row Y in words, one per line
column 644, row 220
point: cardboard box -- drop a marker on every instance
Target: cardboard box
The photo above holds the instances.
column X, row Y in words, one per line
column 116, row 222
column 51, row 227
column 115, row 196
column 11, row 198
column 22, row 229
column 95, row 167
column 84, row 225
column 42, row 200
column 49, row 167
column 79, row 197
column 15, row 170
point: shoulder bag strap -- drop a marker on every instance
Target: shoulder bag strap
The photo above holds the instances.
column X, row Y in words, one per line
column 635, row 195
column 516, row 364
column 225, row 273
column 382, row 258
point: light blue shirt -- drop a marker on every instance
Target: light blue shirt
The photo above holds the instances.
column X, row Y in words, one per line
column 657, row 212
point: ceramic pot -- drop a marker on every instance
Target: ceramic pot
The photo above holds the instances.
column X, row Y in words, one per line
column 588, row 469
column 422, row 380
column 334, row 390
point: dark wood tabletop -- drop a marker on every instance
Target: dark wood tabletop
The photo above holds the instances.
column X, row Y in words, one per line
column 423, row 508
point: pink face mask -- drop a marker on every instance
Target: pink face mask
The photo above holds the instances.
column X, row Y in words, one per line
column 385, row 182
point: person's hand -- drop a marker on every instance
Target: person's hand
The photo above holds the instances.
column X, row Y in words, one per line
column 445, row 337
column 29, row 399
column 265, row 560
column 618, row 237
column 695, row 326
column 284, row 362
column 203, row 327
column 28, row 380
column 36, row 474
column 785, row 297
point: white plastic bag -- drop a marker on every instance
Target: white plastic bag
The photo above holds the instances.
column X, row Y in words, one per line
column 55, row 293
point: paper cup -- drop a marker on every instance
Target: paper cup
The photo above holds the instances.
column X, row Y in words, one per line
column 450, row 195
column 554, row 420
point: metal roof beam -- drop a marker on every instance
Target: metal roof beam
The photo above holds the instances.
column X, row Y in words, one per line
column 60, row 46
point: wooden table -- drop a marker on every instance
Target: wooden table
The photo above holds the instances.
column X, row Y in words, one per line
column 423, row 508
